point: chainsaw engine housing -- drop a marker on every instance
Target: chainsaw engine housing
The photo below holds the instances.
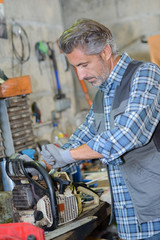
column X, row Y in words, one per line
column 45, row 203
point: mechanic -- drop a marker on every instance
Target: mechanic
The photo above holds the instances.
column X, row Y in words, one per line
column 121, row 128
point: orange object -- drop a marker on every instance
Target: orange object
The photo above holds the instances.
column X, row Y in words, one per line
column 61, row 207
column 16, row 86
column 154, row 46
column 85, row 90
column 20, row 231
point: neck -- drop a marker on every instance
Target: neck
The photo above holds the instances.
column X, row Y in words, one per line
column 115, row 60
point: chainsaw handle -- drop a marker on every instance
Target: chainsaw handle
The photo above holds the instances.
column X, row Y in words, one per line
column 50, row 187
column 62, row 184
column 81, row 187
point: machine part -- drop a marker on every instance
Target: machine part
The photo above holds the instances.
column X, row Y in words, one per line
column 8, row 184
column 44, row 207
column 20, row 123
column 2, row 154
column 69, row 227
column 67, row 207
column 62, row 104
column 82, row 188
column 16, row 101
column 23, row 231
column 46, row 203
column 16, row 170
column 22, row 197
column 6, row 130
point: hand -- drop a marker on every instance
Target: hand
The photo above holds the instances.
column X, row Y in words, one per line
column 32, row 171
column 55, row 156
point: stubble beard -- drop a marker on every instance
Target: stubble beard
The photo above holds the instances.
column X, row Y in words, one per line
column 100, row 80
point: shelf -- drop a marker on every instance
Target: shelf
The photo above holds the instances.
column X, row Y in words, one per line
column 37, row 125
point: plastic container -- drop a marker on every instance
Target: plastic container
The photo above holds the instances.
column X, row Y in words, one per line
column 57, row 136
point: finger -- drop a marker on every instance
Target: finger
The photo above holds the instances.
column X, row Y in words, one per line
column 49, row 160
column 48, row 166
column 51, row 148
column 46, row 157
column 26, row 158
column 46, row 153
column 44, row 149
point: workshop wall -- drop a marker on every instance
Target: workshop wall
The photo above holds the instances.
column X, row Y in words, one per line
column 42, row 20
column 128, row 20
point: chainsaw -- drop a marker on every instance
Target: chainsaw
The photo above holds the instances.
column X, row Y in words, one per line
column 47, row 202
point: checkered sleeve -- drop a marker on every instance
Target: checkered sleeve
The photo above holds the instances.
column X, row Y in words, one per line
column 135, row 126
column 83, row 134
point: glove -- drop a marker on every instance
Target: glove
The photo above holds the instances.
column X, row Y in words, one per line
column 32, row 171
column 55, row 156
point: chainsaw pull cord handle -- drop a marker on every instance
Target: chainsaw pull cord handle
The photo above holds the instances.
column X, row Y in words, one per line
column 50, row 187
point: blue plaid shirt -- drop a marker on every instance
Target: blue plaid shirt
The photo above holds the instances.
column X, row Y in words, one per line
column 132, row 129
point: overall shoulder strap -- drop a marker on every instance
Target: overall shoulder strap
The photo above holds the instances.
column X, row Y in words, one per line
column 98, row 102
column 122, row 91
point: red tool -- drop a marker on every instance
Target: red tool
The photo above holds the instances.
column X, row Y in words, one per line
column 20, row 231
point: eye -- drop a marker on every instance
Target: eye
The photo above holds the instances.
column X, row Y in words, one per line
column 84, row 65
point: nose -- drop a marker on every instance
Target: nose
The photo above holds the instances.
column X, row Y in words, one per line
column 81, row 73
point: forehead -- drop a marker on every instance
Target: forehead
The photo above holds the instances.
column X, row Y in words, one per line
column 77, row 57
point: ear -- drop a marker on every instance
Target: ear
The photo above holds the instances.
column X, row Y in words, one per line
column 106, row 53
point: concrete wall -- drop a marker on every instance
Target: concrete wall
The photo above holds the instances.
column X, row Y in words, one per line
column 128, row 20
column 45, row 20
column 42, row 22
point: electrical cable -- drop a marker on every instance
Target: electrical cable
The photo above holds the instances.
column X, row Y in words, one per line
column 19, row 32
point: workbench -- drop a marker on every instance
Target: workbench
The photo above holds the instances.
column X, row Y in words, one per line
column 86, row 225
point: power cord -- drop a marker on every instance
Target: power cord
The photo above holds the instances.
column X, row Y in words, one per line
column 22, row 54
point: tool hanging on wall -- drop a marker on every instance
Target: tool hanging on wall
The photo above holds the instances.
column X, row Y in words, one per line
column 44, row 49
column 36, row 112
column 41, row 49
column 63, row 58
column 20, row 52
column 3, row 77
column 51, row 53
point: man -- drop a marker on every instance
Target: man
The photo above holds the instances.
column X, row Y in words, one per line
column 121, row 128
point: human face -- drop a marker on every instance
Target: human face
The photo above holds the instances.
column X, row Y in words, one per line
column 92, row 68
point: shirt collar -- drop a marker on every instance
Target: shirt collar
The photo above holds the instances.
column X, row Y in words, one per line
column 115, row 76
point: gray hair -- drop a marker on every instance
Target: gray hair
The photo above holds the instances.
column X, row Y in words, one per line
column 89, row 35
